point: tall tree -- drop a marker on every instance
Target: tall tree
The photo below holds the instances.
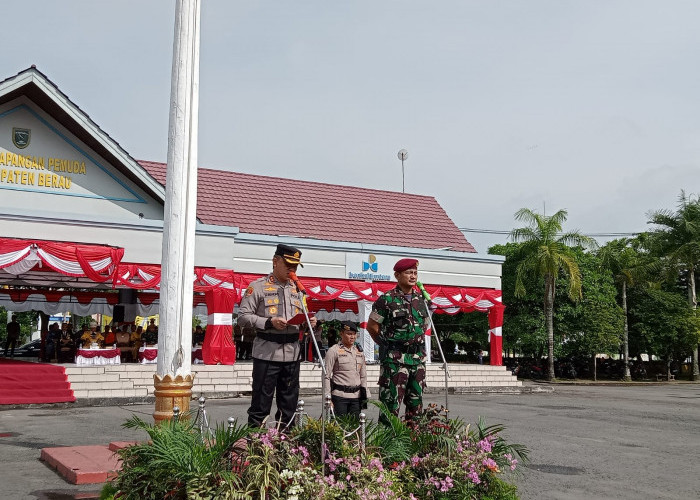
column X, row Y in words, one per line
column 664, row 324
column 590, row 326
column 677, row 238
column 523, row 322
column 546, row 251
column 629, row 264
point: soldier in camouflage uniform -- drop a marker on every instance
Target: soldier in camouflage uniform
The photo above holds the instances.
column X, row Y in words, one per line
column 397, row 323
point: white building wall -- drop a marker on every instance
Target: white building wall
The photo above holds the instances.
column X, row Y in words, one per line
column 96, row 188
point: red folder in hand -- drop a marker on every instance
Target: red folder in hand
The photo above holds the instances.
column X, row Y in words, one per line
column 299, row 319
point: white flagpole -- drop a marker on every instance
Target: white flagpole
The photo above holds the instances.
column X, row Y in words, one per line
column 173, row 380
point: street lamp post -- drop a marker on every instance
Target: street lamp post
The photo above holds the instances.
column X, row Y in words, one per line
column 403, row 154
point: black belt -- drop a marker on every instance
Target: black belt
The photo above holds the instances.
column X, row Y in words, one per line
column 345, row 388
column 280, row 338
column 405, row 349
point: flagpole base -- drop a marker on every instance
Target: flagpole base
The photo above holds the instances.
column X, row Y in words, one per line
column 171, row 392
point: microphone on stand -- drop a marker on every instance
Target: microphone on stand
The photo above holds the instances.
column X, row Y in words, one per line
column 300, row 287
column 295, row 279
column 422, row 289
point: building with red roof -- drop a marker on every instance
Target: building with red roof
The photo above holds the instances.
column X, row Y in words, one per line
column 64, row 179
column 311, row 210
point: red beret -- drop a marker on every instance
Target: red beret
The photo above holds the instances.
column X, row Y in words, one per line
column 404, row 264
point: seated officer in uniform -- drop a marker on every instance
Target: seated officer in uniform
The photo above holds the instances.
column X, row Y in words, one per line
column 266, row 306
column 346, row 373
column 66, row 345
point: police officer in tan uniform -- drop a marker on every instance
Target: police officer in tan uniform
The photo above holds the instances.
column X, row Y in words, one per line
column 346, row 373
column 266, row 306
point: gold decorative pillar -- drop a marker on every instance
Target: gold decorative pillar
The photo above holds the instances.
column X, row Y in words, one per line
column 171, row 392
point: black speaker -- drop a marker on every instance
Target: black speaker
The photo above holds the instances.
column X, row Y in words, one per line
column 127, row 296
column 118, row 314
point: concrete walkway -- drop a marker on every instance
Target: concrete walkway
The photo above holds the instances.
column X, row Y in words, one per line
column 586, row 442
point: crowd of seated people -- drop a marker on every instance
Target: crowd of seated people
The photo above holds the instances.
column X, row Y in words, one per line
column 62, row 343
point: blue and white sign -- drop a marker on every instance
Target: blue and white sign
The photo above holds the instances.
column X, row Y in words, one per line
column 369, row 267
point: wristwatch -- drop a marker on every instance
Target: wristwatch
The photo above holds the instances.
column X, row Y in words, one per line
column 268, row 324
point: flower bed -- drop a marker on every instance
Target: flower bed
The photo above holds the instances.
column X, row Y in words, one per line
column 434, row 458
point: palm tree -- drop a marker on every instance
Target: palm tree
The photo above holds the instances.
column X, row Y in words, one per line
column 546, row 251
column 678, row 239
column 628, row 265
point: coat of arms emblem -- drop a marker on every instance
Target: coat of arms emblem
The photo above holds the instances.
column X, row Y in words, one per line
column 21, row 137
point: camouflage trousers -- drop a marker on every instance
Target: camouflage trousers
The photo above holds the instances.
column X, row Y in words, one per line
column 401, row 383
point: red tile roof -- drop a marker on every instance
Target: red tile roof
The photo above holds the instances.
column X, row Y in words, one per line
column 275, row 206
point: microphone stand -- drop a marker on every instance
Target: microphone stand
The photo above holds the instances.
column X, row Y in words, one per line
column 323, row 374
column 427, row 300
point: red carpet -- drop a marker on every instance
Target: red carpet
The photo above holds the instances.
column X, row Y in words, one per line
column 23, row 382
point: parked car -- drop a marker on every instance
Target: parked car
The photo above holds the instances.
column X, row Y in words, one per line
column 28, row 350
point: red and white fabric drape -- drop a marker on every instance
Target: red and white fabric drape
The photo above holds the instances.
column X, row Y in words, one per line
column 365, row 308
column 218, row 288
column 496, row 335
column 55, row 302
column 96, row 262
column 446, row 300
column 218, row 345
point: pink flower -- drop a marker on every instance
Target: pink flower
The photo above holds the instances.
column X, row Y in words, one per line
column 446, row 484
column 490, row 464
column 485, row 445
column 473, row 475
column 375, row 463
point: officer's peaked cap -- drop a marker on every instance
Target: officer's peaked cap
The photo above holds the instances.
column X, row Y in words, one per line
column 348, row 325
column 290, row 254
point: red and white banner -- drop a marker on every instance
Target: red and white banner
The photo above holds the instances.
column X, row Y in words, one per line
column 95, row 262
column 218, row 345
column 496, row 335
column 448, row 299
column 147, row 277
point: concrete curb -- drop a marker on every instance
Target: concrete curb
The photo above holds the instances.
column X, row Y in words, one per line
column 126, row 401
column 613, row 383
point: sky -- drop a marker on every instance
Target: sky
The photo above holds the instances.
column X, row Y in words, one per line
column 585, row 105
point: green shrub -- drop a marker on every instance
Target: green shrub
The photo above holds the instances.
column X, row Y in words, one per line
column 435, row 457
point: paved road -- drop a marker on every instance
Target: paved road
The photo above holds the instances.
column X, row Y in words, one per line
column 586, row 442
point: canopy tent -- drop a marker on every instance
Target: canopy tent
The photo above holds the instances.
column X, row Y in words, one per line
column 33, row 263
column 22, row 265
column 83, row 303
column 94, row 262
